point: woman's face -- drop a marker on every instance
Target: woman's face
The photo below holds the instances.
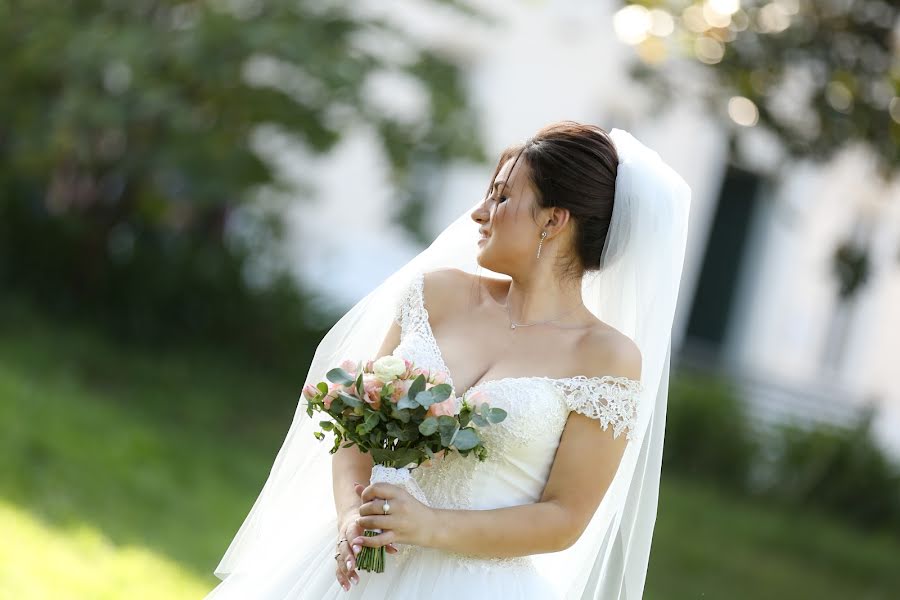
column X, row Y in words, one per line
column 504, row 218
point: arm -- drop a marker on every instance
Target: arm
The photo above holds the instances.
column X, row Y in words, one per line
column 349, row 465
column 583, row 469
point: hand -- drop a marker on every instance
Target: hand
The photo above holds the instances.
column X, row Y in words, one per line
column 408, row 521
column 348, row 528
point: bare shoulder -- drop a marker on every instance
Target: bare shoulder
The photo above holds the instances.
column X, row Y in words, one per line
column 607, row 351
column 441, row 289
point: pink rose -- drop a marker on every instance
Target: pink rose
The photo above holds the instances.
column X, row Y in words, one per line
column 400, row 388
column 310, row 391
column 372, row 387
column 447, row 407
column 333, row 390
column 350, row 366
column 438, row 377
column 475, row 398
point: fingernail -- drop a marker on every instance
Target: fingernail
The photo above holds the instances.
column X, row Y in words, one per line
column 355, row 548
column 349, row 565
column 354, row 579
column 346, row 586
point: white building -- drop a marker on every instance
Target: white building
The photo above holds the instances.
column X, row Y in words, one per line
column 758, row 294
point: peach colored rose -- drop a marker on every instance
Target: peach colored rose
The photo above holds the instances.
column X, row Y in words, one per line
column 438, row 377
column 372, row 390
column 400, row 388
column 475, row 398
column 447, row 407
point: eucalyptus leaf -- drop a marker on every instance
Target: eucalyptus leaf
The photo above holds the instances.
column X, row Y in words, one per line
column 407, row 402
column 350, row 400
column 466, row 439
column 479, row 420
column 339, row 375
column 425, row 399
column 441, row 391
column 496, row 415
column 428, row 426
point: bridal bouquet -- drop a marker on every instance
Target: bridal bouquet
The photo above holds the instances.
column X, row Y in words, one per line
column 400, row 414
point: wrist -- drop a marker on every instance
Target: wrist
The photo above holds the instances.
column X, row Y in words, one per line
column 348, row 515
column 436, row 535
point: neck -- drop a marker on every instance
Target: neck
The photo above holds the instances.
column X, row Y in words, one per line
column 542, row 297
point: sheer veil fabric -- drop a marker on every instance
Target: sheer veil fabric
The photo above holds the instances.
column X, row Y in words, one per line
column 635, row 292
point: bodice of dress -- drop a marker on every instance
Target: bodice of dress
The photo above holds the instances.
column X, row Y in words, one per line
column 521, row 448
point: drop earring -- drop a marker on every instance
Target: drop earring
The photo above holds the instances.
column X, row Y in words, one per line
column 543, row 235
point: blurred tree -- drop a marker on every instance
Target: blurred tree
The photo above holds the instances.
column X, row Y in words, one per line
column 126, row 146
column 819, row 75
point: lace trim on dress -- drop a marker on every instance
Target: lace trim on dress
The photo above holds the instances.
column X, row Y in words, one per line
column 609, row 399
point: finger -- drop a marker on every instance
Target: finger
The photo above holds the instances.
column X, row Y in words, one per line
column 375, row 521
column 391, row 548
column 382, row 539
column 378, row 490
column 373, row 507
column 347, row 566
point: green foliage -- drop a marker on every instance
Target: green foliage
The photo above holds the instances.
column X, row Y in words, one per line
column 837, row 469
column 707, row 431
column 128, row 164
column 189, row 436
column 401, row 433
column 834, row 469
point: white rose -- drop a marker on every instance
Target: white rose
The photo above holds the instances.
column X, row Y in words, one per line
column 387, row 368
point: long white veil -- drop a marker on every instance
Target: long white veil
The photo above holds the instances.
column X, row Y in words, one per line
column 635, row 292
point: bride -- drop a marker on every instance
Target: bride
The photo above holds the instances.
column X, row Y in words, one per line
column 589, row 229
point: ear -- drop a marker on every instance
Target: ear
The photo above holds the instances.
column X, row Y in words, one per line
column 556, row 219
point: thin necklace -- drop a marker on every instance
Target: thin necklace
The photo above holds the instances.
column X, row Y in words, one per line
column 513, row 325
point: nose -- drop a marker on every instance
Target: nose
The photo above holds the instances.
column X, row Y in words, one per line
column 480, row 214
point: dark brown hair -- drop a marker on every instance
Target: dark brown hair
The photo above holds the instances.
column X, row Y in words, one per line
column 572, row 166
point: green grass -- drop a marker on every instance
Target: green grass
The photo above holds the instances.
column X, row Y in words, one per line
column 124, row 473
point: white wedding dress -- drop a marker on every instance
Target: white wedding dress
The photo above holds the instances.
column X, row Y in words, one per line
column 520, row 454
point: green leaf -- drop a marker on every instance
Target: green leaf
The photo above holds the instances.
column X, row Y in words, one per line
column 479, row 420
column 441, row 391
column 495, row 415
column 448, row 426
column 428, row 426
column 416, row 386
column 349, row 400
column 319, row 435
column 425, row 398
column 326, row 425
column 466, row 439
column 407, row 402
column 339, row 375
column 322, row 387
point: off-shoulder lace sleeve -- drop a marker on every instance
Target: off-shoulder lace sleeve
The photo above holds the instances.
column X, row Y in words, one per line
column 409, row 313
column 609, row 399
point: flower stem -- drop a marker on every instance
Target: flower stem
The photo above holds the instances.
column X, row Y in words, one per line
column 371, row 559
